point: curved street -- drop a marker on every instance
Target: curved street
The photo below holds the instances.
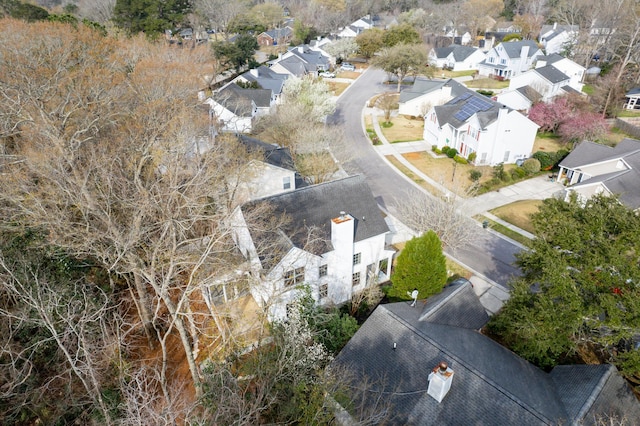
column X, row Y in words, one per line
column 490, row 256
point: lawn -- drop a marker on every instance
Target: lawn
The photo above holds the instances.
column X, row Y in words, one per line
column 445, row 171
column 335, row 87
column 518, row 213
column 408, row 173
column 403, row 129
column 487, row 83
column 548, row 142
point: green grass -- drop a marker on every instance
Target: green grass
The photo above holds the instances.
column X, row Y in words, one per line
column 503, row 230
column 628, row 113
column 588, row 89
column 487, row 83
column 417, row 179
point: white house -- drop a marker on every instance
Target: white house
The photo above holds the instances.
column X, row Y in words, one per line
column 418, row 99
column 456, row 57
column 592, row 168
column 332, row 239
column 356, row 27
column 265, row 78
column 553, row 76
column 301, row 60
column 270, row 172
column 472, row 123
column 510, row 59
column 232, row 108
column 575, row 71
column 632, row 98
column 556, row 38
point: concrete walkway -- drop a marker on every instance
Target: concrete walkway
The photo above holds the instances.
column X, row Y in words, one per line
column 491, row 295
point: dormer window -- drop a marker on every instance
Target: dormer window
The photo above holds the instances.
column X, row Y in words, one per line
column 286, row 182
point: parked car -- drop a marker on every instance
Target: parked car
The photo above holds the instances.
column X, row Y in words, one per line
column 327, row 74
column 346, row 66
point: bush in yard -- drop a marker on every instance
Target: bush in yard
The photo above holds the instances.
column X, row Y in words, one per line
column 460, row 160
column 420, row 265
column 445, row 149
column 472, row 157
column 498, row 171
column 546, row 160
column 560, row 156
column 519, row 173
column 452, row 152
column 531, row 165
column 475, row 175
column 434, row 148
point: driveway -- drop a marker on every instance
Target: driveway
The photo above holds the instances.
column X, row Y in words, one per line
column 490, row 256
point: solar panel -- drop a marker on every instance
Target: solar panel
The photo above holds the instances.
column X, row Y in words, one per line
column 473, row 105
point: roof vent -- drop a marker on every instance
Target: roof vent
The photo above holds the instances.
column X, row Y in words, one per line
column 440, row 380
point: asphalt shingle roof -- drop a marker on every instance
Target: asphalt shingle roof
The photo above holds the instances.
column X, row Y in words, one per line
column 422, row 86
column 513, row 48
column 447, row 113
column 552, row 74
column 273, row 154
column 314, row 206
column 491, row 385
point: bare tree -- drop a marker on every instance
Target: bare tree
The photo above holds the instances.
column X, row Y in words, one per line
column 422, row 212
column 112, row 169
column 220, row 13
column 97, row 10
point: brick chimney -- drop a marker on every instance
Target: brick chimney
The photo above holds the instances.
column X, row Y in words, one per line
column 440, row 380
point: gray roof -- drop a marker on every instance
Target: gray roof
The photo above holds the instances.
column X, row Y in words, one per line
column 457, row 306
column 624, row 183
column 588, row 152
column 295, row 66
column 314, row 206
column 491, row 385
column 266, row 78
column 279, row 33
column 460, row 53
column 530, row 93
column 513, row 48
column 235, row 99
column 633, row 92
column 272, row 154
column 551, row 59
column 422, row 86
column 551, row 73
column 310, row 56
column 457, row 111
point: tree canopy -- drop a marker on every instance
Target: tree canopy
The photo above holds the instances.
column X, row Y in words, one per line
column 402, row 60
column 420, row 265
column 150, row 16
column 580, row 285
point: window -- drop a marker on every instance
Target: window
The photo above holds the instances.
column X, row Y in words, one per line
column 503, row 61
column 355, row 279
column 322, row 272
column 506, row 156
column 286, row 182
column 324, row 291
column 371, row 274
column 356, row 258
column 294, row 276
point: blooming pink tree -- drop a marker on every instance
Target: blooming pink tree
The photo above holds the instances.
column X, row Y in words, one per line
column 549, row 116
column 583, row 125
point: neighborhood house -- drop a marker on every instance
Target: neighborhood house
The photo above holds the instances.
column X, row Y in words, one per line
column 331, row 238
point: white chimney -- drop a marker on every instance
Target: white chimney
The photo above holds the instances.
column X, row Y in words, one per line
column 440, row 381
column 342, row 240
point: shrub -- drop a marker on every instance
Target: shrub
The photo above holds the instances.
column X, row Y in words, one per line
column 452, row 152
column 507, row 177
column 519, row 173
column 545, row 159
column 460, row 160
column 498, row 171
column 531, row 166
column 487, row 93
column 445, row 149
column 475, row 175
column 472, row 157
column 560, row 156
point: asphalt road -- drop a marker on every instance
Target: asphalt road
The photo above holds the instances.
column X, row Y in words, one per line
column 490, row 255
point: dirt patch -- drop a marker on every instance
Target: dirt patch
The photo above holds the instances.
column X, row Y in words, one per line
column 404, row 129
column 336, row 88
column 518, row 213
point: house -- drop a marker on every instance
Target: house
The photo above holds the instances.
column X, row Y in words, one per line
column 520, row 99
column 356, row 27
column 557, row 38
column 333, row 241
column 265, row 78
column 425, row 93
column 396, row 356
column 547, row 80
column 575, row 71
column 456, row 57
column 510, row 59
column 276, row 36
column 233, row 108
column 472, row 123
column 632, row 98
column 459, row 35
column 300, row 61
column 271, row 172
column 592, row 168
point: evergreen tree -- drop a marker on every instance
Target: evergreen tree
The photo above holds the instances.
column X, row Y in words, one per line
column 421, row 265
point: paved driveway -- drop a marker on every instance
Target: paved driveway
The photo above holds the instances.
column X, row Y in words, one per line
column 490, row 256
